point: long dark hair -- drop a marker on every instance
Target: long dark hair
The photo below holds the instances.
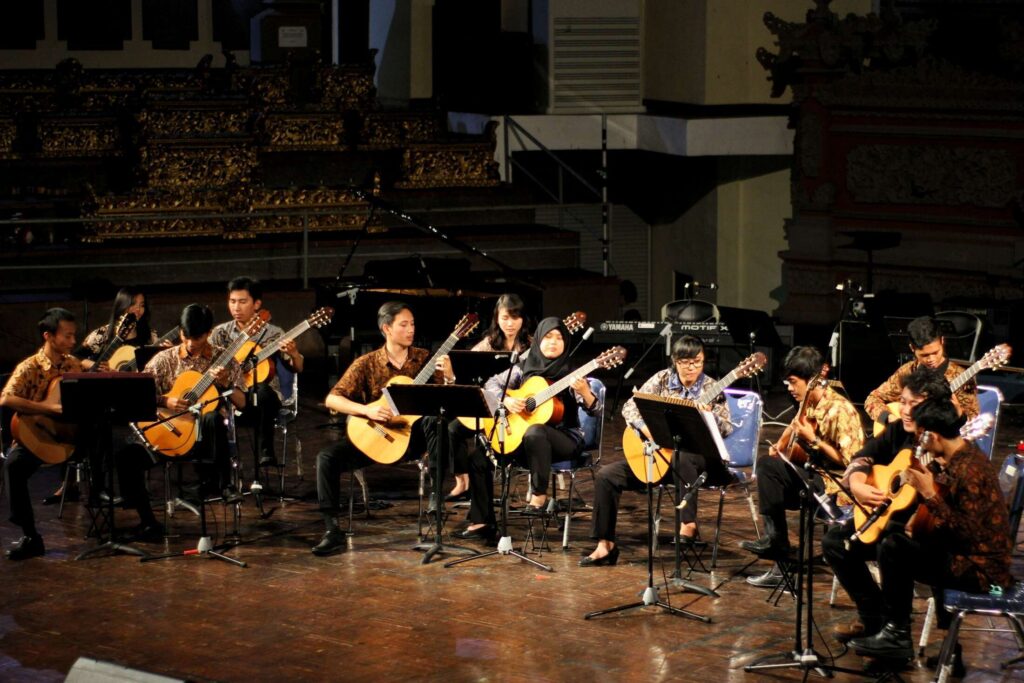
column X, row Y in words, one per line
column 122, row 302
column 515, row 307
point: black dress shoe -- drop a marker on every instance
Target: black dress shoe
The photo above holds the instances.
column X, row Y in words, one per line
column 230, row 495
column 892, row 642
column 484, row 533
column 432, row 504
column 770, row 579
column 457, row 498
column 535, row 509
column 608, row 560
column 332, row 542
column 268, row 460
column 768, row 547
column 26, row 547
column 71, row 496
column 148, row 533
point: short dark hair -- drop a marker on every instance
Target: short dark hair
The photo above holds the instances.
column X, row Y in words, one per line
column 686, row 346
column 51, row 320
column 196, row 320
column 939, row 416
column 249, row 284
column 924, row 381
column 804, row 362
column 923, row 331
column 388, row 311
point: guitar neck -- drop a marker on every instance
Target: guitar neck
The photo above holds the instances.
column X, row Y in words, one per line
column 964, row 377
column 712, row 392
column 560, row 386
column 170, row 336
column 220, row 361
column 427, row 371
column 108, row 351
column 275, row 346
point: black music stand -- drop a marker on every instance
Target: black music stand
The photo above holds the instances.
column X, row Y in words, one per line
column 476, row 367
column 105, row 399
column 444, row 402
column 684, row 426
column 750, row 328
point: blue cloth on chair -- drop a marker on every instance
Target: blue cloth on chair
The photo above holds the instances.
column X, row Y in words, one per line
column 1011, row 600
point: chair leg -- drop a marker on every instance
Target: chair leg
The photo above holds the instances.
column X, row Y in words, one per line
column 64, row 488
column 945, row 665
column 1018, row 631
column 568, row 512
column 283, row 464
column 835, row 591
column 926, row 630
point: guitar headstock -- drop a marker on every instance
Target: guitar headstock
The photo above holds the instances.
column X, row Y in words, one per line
column 977, row 427
column 125, row 325
column 321, row 317
column 256, row 325
column 466, row 325
column 752, row 365
column 996, row 357
column 575, row 321
column 611, row 358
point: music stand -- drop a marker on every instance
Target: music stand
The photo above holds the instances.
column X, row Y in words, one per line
column 444, row 402
column 105, row 399
column 688, row 427
column 144, row 354
column 476, row 367
column 750, row 328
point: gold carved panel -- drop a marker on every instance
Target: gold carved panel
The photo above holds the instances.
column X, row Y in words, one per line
column 283, row 132
column 183, row 168
column 70, row 138
column 193, row 123
column 383, row 130
column 462, row 165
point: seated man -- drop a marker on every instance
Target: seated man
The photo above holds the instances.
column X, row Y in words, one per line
column 958, row 538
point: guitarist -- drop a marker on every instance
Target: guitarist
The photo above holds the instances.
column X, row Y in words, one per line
column 245, row 300
column 929, row 349
column 829, row 430
column 25, row 393
column 968, row 549
column 362, row 384
column 197, row 353
column 127, row 300
column 686, row 379
column 542, row 444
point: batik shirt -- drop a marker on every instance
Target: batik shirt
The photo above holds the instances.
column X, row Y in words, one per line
column 225, row 334
column 838, row 423
column 32, row 377
column 666, row 383
column 168, row 365
column 889, row 391
column 364, row 380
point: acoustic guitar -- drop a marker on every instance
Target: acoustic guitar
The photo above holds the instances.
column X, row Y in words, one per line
column 123, row 359
column 900, row 498
column 124, row 327
column 996, row 357
column 790, row 446
column 541, row 405
column 574, row 322
column 633, row 444
column 255, row 360
column 50, row 439
column 173, row 434
column 386, row 442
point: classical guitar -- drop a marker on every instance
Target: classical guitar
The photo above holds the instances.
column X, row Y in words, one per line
column 124, row 327
column 574, row 322
column 255, row 360
column 50, row 439
column 123, row 359
column 891, row 479
column 996, row 357
column 790, row 446
column 174, row 434
column 633, row 444
column 542, row 406
column 386, row 442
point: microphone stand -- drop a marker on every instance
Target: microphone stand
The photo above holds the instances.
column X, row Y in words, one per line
column 585, row 337
column 500, row 424
column 251, row 398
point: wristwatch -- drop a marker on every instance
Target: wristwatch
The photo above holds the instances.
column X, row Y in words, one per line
column 816, row 444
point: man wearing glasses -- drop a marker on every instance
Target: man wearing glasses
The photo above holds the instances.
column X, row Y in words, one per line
column 686, row 379
column 828, row 429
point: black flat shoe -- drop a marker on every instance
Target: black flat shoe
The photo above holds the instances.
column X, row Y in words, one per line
column 484, row 533
column 148, row 533
column 608, row 560
column 535, row 509
column 457, row 497
column 71, row 496
column 332, row 542
column 28, row 546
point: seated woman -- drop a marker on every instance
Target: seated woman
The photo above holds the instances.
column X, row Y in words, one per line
column 508, row 332
column 685, row 380
column 542, row 444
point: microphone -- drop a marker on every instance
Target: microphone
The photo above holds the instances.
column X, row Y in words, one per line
column 350, row 293
column 707, row 285
column 424, row 271
column 586, row 335
column 878, row 513
column 692, row 493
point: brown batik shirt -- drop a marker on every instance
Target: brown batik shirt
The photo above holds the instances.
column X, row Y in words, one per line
column 168, row 365
column 838, row 423
column 32, row 377
column 226, row 333
column 889, row 391
column 364, row 380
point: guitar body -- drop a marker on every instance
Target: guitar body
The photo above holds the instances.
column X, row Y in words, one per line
column 176, row 437
column 633, row 449
column 122, row 360
column 891, row 409
column 887, row 478
column 549, row 411
column 50, row 439
column 792, row 445
column 383, row 442
column 263, row 371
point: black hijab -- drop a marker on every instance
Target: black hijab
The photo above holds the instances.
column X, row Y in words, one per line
column 535, row 364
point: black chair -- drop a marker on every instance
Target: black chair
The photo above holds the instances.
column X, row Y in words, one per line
column 963, row 342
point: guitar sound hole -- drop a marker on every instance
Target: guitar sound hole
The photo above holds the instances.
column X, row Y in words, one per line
column 531, row 405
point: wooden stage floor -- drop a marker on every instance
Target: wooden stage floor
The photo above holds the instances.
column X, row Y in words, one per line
column 376, row 613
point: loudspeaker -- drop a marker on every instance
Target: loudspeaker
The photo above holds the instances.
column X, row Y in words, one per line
column 86, row 670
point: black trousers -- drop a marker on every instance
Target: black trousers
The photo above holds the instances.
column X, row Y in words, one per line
column 779, row 487
column 261, row 414
column 902, row 560
column 614, row 478
column 459, row 439
column 342, row 456
column 542, row 445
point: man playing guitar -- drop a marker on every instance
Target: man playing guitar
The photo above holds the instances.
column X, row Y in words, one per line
column 245, row 300
column 26, row 393
column 929, row 348
column 354, row 395
column 197, row 354
column 686, row 379
column 830, row 430
column 968, row 547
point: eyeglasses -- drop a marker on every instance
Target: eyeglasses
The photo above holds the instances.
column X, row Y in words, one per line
column 690, row 362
